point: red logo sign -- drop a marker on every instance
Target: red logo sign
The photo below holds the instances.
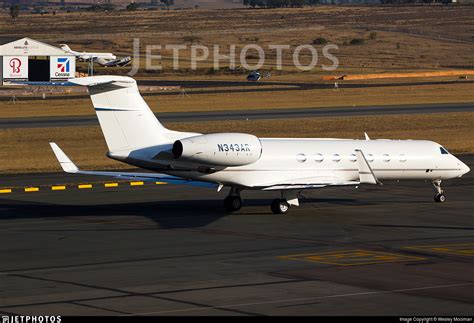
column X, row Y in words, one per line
column 15, row 64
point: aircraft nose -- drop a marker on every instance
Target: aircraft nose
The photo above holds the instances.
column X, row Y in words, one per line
column 464, row 169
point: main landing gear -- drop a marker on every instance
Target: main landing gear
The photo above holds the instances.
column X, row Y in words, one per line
column 439, row 196
column 233, row 202
column 280, row 206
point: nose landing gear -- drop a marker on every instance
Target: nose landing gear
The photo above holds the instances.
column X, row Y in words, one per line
column 439, row 196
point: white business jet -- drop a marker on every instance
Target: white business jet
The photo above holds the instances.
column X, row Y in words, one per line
column 88, row 56
column 245, row 162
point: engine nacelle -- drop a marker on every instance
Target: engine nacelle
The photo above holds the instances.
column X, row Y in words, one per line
column 219, row 149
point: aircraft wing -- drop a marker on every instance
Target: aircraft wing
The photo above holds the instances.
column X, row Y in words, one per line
column 309, row 183
column 69, row 167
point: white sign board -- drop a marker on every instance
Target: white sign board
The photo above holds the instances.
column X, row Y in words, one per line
column 15, row 68
column 62, row 67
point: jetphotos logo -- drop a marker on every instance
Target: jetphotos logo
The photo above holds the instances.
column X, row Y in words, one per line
column 30, row 319
column 15, row 65
column 63, row 65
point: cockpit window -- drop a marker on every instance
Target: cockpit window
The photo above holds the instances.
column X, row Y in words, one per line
column 443, row 151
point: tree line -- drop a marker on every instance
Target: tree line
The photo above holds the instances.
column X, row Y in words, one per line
column 278, row 3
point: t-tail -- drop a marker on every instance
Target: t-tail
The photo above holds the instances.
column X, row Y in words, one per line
column 128, row 124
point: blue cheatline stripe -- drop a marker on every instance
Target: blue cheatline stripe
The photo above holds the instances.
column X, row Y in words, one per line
column 53, row 83
column 112, row 109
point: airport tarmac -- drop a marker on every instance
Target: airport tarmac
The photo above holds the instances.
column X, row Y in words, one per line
column 171, row 250
column 68, row 121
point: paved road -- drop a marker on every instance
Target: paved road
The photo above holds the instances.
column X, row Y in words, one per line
column 39, row 122
column 216, row 87
column 172, row 250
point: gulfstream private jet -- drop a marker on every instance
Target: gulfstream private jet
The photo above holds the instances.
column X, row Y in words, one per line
column 243, row 161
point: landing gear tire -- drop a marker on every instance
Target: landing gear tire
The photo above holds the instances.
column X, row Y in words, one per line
column 280, row 206
column 232, row 203
column 440, row 198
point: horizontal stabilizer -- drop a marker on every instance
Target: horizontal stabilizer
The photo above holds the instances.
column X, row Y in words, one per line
column 103, row 79
column 69, row 167
column 366, row 174
column 66, row 164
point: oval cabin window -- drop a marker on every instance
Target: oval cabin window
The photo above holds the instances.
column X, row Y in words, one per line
column 353, row 158
column 301, row 158
column 336, row 158
column 386, row 158
column 402, row 158
column 318, row 158
column 370, row 158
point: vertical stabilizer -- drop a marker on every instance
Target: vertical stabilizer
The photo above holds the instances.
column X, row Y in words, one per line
column 125, row 119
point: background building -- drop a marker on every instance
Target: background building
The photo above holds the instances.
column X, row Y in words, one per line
column 30, row 60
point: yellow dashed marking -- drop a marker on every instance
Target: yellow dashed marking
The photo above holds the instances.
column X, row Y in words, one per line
column 459, row 249
column 72, row 186
column 353, row 257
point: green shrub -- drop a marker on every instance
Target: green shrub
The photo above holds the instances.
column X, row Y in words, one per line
column 191, row 39
column 212, row 71
column 356, row 41
column 320, row 41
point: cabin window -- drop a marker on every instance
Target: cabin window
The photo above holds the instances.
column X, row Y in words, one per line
column 443, row 151
column 301, row 158
column 386, row 158
column 370, row 158
column 402, row 158
column 353, row 158
column 318, row 158
column 336, row 158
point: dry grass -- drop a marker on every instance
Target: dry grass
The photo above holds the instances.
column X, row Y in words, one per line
column 444, row 93
column 27, row 150
column 395, row 47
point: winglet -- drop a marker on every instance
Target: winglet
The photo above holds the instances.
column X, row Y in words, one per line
column 366, row 174
column 66, row 164
column 366, row 136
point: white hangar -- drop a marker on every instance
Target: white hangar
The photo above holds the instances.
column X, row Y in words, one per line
column 29, row 60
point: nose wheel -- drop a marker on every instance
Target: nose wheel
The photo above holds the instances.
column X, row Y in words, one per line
column 439, row 196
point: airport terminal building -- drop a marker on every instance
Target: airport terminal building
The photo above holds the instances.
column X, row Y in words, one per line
column 29, row 60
